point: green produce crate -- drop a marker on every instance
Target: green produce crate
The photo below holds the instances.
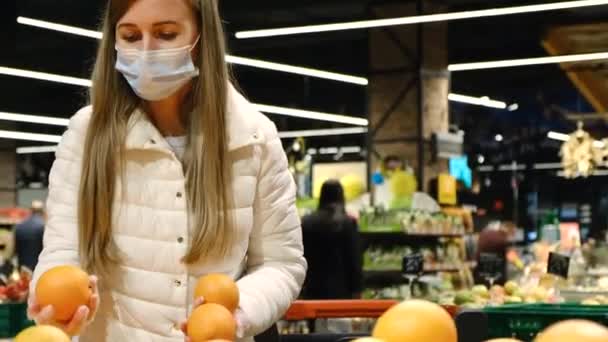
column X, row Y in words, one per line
column 525, row 321
column 13, row 319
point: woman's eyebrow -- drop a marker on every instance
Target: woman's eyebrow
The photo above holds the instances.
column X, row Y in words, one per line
column 166, row 22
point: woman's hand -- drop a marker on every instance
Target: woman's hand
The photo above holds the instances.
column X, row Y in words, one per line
column 83, row 316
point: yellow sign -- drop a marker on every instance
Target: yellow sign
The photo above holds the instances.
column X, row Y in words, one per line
column 447, row 189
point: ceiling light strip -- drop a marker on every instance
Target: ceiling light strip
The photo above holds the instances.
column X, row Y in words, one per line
column 366, row 24
column 29, row 136
column 45, row 76
column 478, row 101
column 36, row 149
column 322, row 132
column 529, row 61
column 305, row 114
column 255, row 63
column 46, row 120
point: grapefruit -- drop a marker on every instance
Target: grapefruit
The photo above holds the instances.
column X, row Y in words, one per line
column 42, row 333
column 218, row 289
column 211, row 322
column 574, row 330
column 66, row 288
column 416, row 320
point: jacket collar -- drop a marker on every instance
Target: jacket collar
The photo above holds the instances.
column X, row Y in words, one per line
column 243, row 130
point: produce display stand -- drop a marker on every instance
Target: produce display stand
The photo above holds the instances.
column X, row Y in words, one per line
column 326, row 309
column 522, row 321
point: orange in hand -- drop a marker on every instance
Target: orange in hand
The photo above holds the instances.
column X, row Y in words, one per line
column 66, row 288
column 211, row 322
column 218, row 289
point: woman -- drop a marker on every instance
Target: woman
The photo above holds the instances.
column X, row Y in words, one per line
column 170, row 174
column 332, row 248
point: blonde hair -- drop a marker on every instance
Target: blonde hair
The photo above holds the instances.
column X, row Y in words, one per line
column 206, row 165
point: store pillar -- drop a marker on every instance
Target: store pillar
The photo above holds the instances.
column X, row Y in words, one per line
column 408, row 90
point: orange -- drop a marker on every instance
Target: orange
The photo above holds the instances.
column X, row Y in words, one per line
column 367, row 339
column 42, row 333
column 218, row 289
column 66, row 288
column 416, row 320
column 211, row 321
column 574, row 330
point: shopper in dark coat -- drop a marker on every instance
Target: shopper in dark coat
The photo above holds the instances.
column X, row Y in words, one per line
column 332, row 249
column 28, row 237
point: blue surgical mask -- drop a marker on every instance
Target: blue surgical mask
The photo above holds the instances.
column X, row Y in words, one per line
column 156, row 74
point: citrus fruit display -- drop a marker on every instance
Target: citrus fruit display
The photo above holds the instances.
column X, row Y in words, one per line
column 66, row 288
column 218, row 289
column 416, row 320
column 210, row 322
column 574, row 330
column 42, row 333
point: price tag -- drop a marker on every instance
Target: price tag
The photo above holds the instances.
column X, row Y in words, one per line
column 413, row 264
column 491, row 265
column 558, row 264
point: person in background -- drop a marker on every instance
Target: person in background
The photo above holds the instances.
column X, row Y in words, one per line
column 28, row 237
column 332, row 248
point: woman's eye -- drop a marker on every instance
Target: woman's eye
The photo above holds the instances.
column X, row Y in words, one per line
column 167, row 35
column 131, row 38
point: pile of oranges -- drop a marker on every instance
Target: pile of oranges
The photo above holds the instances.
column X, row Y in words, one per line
column 418, row 320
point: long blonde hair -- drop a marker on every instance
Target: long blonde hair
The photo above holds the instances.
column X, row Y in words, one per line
column 206, row 165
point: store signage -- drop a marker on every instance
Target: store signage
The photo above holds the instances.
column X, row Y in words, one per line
column 448, row 145
column 491, row 266
column 413, row 264
column 558, row 265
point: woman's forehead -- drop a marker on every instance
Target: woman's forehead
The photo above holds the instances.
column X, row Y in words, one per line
column 150, row 12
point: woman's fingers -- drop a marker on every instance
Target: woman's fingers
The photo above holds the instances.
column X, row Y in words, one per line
column 78, row 321
column 33, row 308
column 93, row 303
column 46, row 315
column 93, row 284
column 198, row 302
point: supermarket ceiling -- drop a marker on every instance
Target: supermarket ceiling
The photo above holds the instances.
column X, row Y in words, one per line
column 344, row 52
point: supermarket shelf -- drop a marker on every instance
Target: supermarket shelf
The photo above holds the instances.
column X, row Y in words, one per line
column 313, row 309
column 403, row 238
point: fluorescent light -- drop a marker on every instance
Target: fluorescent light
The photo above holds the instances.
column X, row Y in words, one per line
column 335, row 150
column 322, row 132
column 558, row 136
column 566, row 137
column 499, row 137
column 29, row 136
column 513, row 107
column 305, row 114
column 47, row 120
column 529, row 61
column 59, row 27
column 256, row 63
column 45, row 76
column 418, row 19
column 478, row 101
column 36, row 149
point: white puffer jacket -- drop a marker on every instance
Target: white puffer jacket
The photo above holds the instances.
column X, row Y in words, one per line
column 151, row 291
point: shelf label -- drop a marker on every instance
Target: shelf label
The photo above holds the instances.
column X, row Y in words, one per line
column 491, row 266
column 558, row 265
column 413, row 264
